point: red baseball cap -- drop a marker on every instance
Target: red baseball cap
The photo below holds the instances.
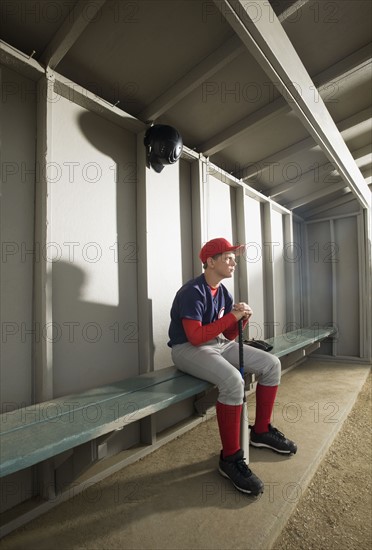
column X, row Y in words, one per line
column 218, row 246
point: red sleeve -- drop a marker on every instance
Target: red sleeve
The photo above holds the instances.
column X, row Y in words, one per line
column 198, row 334
column 233, row 332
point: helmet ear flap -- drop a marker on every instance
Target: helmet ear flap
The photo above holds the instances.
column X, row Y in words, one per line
column 147, row 138
column 164, row 146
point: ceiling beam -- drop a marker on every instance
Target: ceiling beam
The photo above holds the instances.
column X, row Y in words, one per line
column 80, row 96
column 326, row 81
column 367, row 174
column 362, row 157
column 292, row 10
column 251, row 171
column 233, row 133
column 267, row 41
column 18, row 61
column 348, row 197
column 320, row 194
column 348, row 67
column 71, row 29
column 62, row 86
column 306, row 177
column 214, row 62
column 323, row 192
column 349, row 127
column 209, row 66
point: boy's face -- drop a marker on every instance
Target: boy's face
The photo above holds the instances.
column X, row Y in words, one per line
column 224, row 264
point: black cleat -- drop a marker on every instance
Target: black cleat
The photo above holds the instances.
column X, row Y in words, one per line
column 273, row 439
column 234, row 468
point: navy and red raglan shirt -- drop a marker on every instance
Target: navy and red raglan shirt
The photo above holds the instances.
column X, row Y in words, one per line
column 200, row 313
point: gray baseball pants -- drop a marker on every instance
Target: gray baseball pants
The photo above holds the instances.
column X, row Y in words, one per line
column 217, row 361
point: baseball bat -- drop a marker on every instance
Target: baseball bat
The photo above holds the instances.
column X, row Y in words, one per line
column 244, row 422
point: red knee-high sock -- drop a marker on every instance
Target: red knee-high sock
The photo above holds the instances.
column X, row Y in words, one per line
column 228, row 418
column 265, row 398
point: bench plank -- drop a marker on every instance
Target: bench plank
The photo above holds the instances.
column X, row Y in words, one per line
column 297, row 339
column 42, row 440
column 66, row 405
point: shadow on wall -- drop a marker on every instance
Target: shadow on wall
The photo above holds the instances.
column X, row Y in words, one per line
column 120, row 146
column 93, row 343
column 95, row 329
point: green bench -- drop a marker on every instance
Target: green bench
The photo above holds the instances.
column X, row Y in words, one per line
column 36, row 433
column 303, row 339
column 32, row 434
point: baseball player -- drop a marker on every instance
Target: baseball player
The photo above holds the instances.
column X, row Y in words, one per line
column 202, row 333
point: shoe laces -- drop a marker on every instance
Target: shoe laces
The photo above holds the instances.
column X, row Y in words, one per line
column 242, row 467
column 276, row 433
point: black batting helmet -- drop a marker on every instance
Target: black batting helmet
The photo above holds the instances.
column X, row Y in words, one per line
column 164, row 146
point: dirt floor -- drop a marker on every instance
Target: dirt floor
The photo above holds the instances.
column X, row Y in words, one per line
column 334, row 515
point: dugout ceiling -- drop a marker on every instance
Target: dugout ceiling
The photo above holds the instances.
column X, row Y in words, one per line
column 221, row 72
